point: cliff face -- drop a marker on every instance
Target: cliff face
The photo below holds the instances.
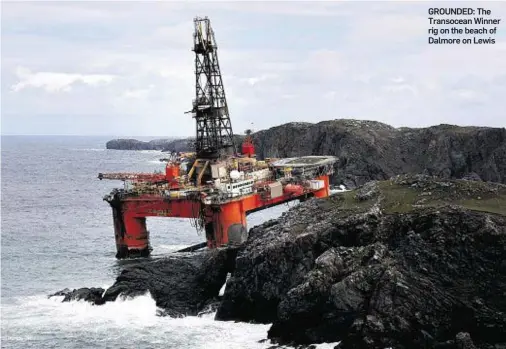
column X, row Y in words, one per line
column 370, row 150
column 411, row 262
column 414, row 262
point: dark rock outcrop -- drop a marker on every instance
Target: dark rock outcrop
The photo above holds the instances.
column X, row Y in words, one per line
column 370, row 150
column 92, row 295
column 181, row 284
column 168, row 145
column 129, row 144
column 410, row 263
column 165, row 145
column 180, row 145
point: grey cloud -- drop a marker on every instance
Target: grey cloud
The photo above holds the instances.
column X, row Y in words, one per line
column 378, row 68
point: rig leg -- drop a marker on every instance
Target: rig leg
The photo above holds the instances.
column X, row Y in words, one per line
column 227, row 225
column 132, row 237
column 325, row 191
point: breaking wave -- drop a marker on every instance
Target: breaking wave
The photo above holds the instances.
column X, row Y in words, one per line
column 45, row 322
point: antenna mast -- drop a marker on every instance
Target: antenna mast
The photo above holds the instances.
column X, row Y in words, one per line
column 214, row 138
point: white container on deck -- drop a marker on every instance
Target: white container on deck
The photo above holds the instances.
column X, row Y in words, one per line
column 235, row 175
column 316, row 184
column 276, row 189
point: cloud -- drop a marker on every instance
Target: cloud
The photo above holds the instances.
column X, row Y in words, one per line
column 294, row 8
column 56, row 82
column 330, row 95
column 281, row 62
column 388, row 29
column 326, row 63
column 177, row 35
column 138, row 93
column 261, row 78
column 469, row 95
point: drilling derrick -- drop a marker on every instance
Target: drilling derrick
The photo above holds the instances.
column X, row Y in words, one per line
column 214, row 136
column 215, row 187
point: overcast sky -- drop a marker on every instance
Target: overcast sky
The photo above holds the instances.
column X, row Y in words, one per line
column 111, row 68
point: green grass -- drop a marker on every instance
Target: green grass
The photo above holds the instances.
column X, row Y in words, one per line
column 492, row 205
column 395, row 197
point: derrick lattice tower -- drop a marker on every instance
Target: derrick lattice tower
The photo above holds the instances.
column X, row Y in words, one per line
column 214, row 136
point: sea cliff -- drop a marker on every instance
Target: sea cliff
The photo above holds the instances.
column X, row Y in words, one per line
column 414, row 261
column 370, row 150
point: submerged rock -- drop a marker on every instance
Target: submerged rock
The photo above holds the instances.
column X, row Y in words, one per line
column 411, row 266
column 92, row 295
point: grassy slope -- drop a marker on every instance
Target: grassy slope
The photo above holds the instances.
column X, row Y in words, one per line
column 401, row 196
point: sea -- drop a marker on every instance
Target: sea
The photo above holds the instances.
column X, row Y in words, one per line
column 57, row 232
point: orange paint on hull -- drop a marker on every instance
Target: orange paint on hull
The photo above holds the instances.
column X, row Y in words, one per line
column 323, row 193
column 225, row 223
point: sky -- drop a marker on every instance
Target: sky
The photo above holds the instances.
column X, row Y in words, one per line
column 127, row 69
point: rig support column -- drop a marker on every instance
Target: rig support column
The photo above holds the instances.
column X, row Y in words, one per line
column 325, row 191
column 227, row 225
column 132, row 237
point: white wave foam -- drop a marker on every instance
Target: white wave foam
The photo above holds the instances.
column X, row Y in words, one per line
column 222, row 289
column 132, row 322
column 170, row 248
column 341, row 189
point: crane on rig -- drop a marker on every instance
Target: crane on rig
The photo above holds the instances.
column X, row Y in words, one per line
column 216, row 187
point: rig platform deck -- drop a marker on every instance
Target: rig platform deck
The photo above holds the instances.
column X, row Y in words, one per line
column 215, row 186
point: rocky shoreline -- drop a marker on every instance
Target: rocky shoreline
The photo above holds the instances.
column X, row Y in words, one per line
column 182, row 284
column 410, row 262
column 370, row 150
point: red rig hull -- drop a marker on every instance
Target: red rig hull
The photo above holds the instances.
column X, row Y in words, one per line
column 223, row 223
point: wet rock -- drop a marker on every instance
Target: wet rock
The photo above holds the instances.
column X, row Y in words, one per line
column 181, row 284
column 92, row 295
column 388, row 271
column 210, row 307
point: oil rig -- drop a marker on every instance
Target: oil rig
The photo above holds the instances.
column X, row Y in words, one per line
column 215, row 186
